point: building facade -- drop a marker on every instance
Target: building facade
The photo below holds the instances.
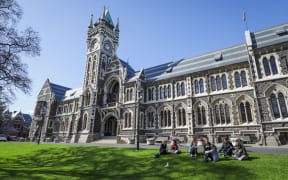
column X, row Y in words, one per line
column 240, row 90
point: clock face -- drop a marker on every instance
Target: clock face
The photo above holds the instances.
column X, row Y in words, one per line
column 107, row 46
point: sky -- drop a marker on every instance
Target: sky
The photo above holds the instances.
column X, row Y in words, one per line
column 152, row 32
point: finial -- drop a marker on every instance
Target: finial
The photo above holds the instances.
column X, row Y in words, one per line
column 103, row 15
column 91, row 21
column 117, row 25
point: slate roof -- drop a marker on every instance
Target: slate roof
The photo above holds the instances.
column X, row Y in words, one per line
column 273, row 35
column 232, row 55
column 59, row 91
column 130, row 70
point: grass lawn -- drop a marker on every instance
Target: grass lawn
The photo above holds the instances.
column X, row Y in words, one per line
column 54, row 161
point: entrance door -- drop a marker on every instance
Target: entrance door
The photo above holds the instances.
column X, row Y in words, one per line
column 110, row 128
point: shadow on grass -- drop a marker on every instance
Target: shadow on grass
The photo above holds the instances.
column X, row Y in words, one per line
column 113, row 163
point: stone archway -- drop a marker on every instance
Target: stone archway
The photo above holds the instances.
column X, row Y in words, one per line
column 110, row 126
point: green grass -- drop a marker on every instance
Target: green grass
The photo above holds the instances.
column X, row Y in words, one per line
column 52, row 161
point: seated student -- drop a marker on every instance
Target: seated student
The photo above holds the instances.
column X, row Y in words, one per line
column 240, row 152
column 193, row 149
column 211, row 152
column 163, row 148
column 174, row 147
column 227, row 148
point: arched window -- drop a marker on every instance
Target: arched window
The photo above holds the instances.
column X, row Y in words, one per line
column 179, row 118
column 274, row 105
column 196, row 84
column 127, row 95
column 218, row 80
column 182, row 89
column 149, row 94
column 213, row 84
column 266, row 67
column 243, row 78
column 178, row 89
column 153, row 93
column 237, row 80
column 224, row 81
column 201, row 85
column 201, row 115
column 273, row 65
column 282, row 105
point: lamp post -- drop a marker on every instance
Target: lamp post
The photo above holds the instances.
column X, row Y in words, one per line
column 42, row 115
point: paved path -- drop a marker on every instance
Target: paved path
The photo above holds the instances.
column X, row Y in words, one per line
column 249, row 147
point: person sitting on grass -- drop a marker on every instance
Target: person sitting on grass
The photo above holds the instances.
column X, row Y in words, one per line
column 227, row 148
column 193, row 149
column 240, row 152
column 163, row 148
column 211, row 153
column 174, row 147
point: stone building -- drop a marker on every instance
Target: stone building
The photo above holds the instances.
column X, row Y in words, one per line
column 240, row 90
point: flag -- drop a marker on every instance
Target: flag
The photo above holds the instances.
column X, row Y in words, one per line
column 244, row 16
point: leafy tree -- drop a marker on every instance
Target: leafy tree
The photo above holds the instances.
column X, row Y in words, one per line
column 13, row 44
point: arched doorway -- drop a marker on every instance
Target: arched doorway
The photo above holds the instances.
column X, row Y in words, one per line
column 110, row 127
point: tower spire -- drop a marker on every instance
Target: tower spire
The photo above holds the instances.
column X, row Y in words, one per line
column 103, row 14
column 117, row 25
column 91, row 22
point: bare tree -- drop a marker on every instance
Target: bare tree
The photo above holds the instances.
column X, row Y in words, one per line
column 13, row 44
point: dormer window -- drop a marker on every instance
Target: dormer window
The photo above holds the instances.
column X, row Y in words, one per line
column 218, row 57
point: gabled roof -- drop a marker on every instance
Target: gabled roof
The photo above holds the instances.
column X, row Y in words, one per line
column 270, row 36
column 59, row 91
column 211, row 60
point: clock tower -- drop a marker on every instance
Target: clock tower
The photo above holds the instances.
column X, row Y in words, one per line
column 102, row 44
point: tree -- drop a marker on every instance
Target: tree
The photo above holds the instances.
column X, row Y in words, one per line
column 13, row 44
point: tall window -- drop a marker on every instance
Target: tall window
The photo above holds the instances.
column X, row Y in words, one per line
column 178, row 89
column 213, row 84
column 222, row 114
column 201, row 85
column 266, row 67
column 196, row 85
column 150, row 119
column 243, row 78
column 181, row 117
column 279, row 106
column 237, row 79
column 245, row 112
column 201, row 115
column 165, row 118
column 275, row 107
column 169, row 91
column 182, row 89
column 273, row 65
column 224, row 81
column 161, row 95
column 218, row 80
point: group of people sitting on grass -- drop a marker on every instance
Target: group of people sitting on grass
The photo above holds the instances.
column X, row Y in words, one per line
column 210, row 151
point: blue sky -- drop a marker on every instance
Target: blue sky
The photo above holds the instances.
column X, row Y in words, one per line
column 152, row 32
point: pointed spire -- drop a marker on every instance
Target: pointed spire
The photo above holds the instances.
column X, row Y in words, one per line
column 91, row 21
column 117, row 25
column 103, row 15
